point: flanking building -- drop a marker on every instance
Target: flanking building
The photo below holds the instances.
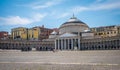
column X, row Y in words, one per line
column 4, row 35
column 19, row 33
column 106, row 31
column 35, row 33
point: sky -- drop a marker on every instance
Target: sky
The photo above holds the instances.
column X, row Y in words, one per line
column 53, row 13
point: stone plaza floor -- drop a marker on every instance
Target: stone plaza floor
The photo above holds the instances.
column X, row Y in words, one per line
column 60, row 60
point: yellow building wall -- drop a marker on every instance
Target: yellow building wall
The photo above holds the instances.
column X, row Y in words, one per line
column 22, row 32
column 29, row 33
column 119, row 30
column 24, row 35
column 105, row 31
column 33, row 33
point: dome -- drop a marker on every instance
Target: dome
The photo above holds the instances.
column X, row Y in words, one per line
column 73, row 20
column 73, row 25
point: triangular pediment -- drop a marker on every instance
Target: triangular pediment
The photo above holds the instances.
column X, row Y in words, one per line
column 67, row 35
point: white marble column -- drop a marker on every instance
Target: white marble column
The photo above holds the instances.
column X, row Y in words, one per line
column 78, row 43
column 68, row 44
column 61, row 44
column 71, row 44
column 75, row 44
column 65, row 44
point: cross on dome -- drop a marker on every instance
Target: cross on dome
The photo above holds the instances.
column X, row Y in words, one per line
column 73, row 17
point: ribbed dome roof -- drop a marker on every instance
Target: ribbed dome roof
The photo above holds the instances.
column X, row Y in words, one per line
column 73, row 25
column 73, row 20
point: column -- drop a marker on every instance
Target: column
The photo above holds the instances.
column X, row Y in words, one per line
column 65, row 44
column 71, row 44
column 76, row 44
column 68, row 44
column 79, row 43
column 61, row 44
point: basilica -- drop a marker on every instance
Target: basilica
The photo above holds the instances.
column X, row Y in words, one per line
column 77, row 35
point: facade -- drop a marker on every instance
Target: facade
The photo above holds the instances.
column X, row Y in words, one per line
column 107, row 43
column 33, row 33
column 76, row 35
column 44, row 33
column 26, row 45
column 70, row 34
column 3, row 35
column 38, row 33
column 106, row 31
column 19, row 33
column 118, row 28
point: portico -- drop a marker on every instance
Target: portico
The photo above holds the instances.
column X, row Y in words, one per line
column 70, row 34
column 67, row 41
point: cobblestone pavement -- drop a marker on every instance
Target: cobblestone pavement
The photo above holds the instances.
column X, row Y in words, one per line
column 60, row 60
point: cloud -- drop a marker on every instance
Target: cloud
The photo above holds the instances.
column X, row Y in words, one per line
column 45, row 5
column 99, row 1
column 12, row 20
column 39, row 5
column 98, row 6
column 107, row 6
column 63, row 15
column 17, row 20
column 38, row 17
column 78, row 9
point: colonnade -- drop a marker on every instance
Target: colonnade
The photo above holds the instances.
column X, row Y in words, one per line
column 87, row 44
column 110, row 44
column 26, row 45
column 67, row 44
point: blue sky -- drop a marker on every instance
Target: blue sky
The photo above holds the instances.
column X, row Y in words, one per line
column 53, row 13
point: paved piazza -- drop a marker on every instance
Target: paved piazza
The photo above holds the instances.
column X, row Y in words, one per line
column 60, row 60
